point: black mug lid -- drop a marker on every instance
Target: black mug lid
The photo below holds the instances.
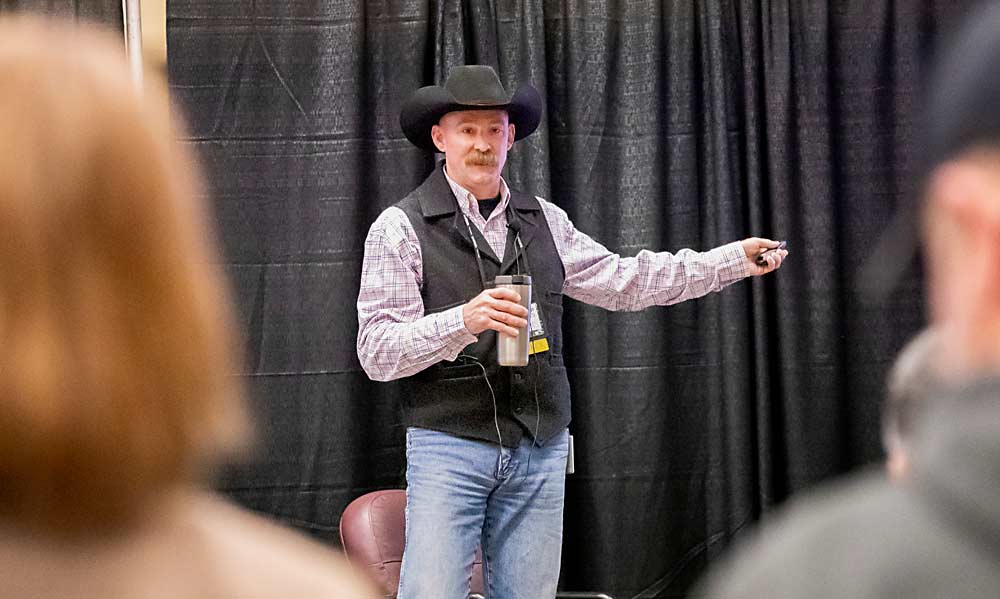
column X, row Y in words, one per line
column 512, row 280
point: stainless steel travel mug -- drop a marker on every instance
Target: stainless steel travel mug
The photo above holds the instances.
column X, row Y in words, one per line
column 513, row 351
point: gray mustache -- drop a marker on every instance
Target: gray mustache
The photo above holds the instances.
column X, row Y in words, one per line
column 478, row 158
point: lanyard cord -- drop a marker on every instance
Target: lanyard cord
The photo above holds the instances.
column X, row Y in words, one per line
column 475, row 246
column 519, row 255
column 513, row 217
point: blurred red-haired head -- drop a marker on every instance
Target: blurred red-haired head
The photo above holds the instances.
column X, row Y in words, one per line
column 116, row 354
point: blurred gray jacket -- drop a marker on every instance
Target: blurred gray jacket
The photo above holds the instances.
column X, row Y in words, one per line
column 937, row 535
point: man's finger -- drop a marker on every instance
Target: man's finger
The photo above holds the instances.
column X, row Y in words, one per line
column 509, row 319
column 763, row 243
column 510, row 308
column 503, row 329
column 775, row 259
column 504, row 293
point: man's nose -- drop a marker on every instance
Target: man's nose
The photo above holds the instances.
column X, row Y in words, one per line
column 481, row 144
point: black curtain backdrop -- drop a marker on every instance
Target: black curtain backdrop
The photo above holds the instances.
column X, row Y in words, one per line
column 667, row 125
column 108, row 12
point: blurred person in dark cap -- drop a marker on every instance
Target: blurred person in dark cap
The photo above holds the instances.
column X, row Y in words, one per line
column 487, row 444
column 117, row 349
column 937, row 533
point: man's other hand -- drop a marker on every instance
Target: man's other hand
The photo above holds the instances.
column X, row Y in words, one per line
column 756, row 247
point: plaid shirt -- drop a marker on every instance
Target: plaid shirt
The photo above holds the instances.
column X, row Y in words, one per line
column 396, row 339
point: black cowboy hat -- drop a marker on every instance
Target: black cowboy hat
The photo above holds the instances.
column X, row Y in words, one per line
column 470, row 87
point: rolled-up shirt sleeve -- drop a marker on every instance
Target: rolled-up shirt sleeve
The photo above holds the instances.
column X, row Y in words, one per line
column 395, row 337
column 598, row 276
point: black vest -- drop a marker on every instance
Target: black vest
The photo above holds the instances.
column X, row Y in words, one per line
column 453, row 397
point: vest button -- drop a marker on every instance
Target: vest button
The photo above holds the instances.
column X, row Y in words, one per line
column 518, row 409
column 517, row 377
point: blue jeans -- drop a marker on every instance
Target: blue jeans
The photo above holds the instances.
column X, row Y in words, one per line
column 462, row 492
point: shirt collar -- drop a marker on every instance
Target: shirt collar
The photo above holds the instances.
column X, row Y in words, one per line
column 467, row 200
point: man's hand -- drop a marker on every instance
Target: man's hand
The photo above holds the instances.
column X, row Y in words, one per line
column 495, row 309
column 756, row 246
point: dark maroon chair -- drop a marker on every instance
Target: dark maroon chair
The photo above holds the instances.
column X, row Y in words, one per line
column 373, row 532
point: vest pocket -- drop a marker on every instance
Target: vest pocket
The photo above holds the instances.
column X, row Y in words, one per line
column 459, row 371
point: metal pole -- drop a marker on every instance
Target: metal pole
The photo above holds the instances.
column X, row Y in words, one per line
column 133, row 39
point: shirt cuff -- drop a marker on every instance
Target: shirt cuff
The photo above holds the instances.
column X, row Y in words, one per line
column 451, row 328
column 731, row 261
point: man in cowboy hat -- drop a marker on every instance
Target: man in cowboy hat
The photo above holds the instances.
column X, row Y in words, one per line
column 487, row 445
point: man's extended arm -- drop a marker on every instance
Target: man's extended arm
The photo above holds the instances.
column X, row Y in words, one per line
column 597, row 276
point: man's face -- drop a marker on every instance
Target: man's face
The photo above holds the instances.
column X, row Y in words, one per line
column 475, row 145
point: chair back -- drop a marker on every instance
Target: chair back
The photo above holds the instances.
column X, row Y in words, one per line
column 373, row 533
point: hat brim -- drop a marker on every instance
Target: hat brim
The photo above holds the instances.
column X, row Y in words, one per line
column 427, row 105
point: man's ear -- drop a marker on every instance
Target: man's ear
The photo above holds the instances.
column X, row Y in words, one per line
column 968, row 190
column 510, row 136
column 952, row 187
column 437, row 136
